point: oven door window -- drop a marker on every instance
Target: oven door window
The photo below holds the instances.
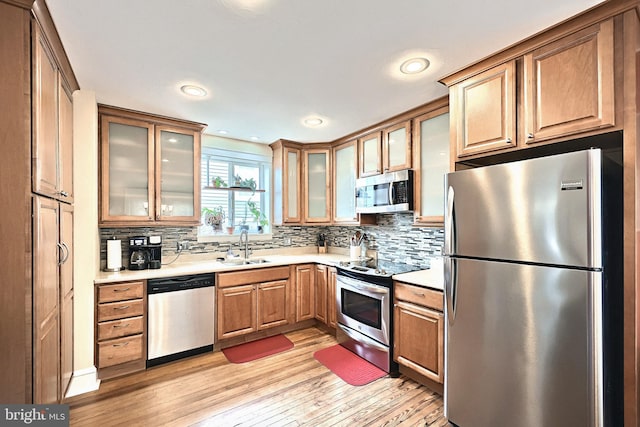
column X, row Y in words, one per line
column 362, row 308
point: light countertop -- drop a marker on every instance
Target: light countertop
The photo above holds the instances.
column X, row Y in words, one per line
column 431, row 278
column 193, row 265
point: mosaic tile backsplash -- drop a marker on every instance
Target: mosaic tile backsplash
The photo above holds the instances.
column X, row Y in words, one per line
column 394, row 238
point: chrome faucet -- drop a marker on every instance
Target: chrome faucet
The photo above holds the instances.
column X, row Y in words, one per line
column 244, row 239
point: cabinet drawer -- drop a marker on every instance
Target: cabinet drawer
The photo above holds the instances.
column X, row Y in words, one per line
column 421, row 296
column 120, row 291
column 121, row 350
column 120, row 328
column 247, row 277
column 119, row 310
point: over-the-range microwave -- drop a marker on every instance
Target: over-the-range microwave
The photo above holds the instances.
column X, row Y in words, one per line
column 388, row 192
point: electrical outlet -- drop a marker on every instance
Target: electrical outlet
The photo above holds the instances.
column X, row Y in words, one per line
column 287, row 241
column 181, row 246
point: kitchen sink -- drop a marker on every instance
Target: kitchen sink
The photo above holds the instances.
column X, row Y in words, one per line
column 243, row 261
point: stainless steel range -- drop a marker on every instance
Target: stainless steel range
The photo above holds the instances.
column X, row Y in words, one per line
column 365, row 316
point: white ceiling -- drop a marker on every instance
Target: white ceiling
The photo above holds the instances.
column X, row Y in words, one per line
column 267, row 64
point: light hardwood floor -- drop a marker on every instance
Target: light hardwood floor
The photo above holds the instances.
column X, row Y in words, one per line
column 287, row 389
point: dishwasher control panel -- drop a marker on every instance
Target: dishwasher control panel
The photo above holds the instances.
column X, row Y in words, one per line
column 181, row 283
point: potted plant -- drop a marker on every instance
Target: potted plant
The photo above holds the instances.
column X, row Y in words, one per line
column 218, row 182
column 213, row 217
column 260, row 218
column 245, row 183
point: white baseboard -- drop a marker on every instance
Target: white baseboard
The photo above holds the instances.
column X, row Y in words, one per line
column 83, row 381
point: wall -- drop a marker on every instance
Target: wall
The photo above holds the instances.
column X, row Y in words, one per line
column 394, row 238
column 86, row 239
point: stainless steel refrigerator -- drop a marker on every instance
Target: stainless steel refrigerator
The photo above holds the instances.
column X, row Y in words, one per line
column 533, row 288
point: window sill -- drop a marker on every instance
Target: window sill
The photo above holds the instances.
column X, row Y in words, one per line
column 233, row 237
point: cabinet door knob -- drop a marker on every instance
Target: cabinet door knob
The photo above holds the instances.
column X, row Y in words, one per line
column 530, row 135
column 508, row 140
column 63, row 193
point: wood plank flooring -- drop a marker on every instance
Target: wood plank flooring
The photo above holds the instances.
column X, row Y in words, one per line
column 287, row 389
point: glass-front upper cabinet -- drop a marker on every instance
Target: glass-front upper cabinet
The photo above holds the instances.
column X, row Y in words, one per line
column 126, row 149
column 345, row 167
column 396, row 147
column 177, row 192
column 149, row 169
column 316, row 182
column 370, row 148
column 431, row 163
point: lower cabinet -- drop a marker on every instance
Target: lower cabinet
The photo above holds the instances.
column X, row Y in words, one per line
column 121, row 343
column 305, row 292
column 325, row 295
column 419, row 330
column 332, row 309
column 251, row 300
column 321, row 294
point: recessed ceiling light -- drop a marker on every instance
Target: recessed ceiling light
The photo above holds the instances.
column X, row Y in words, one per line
column 254, row 138
column 223, row 132
column 193, row 90
column 313, row 121
column 414, row 65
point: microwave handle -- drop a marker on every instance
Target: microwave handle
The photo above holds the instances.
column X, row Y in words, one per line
column 391, row 194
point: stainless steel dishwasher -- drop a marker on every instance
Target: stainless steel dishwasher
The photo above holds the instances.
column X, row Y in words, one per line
column 180, row 317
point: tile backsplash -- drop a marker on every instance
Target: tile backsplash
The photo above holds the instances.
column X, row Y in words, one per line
column 394, row 239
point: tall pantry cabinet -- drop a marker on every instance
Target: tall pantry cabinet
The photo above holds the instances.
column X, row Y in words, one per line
column 36, row 174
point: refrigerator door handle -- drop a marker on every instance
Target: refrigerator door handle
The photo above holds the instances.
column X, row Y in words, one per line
column 450, row 288
column 449, row 223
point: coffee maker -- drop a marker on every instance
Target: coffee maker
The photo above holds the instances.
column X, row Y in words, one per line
column 145, row 252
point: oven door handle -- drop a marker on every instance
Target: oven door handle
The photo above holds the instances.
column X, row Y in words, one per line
column 363, row 286
column 363, row 339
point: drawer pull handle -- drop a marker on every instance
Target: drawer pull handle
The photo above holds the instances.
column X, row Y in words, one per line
column 121, row 290
column 418, row 294
column 124, row 344
column 124, row 307
column 122, row 326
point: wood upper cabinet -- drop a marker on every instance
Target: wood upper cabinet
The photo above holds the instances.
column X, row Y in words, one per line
column 419, row 330
column 370, row 149
column 52, row 124
column 345, row 172
column 431, row 157
column 569, row 85
column 287, row 190
column 396, row 147
column 149, row 169
column 305, row 292
column 483, row 111
column 321, row 293
column 317, row 188
column 387, row 150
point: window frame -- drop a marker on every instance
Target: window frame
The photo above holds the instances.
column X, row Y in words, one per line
column 233, row 159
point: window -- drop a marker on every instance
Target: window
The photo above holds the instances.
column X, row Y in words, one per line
column 235, row 193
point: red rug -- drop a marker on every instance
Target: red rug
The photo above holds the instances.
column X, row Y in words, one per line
column 257, row 349
column 350, row 367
